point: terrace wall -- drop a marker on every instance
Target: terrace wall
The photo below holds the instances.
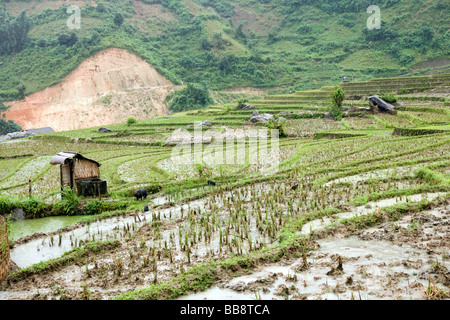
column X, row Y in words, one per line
column 5, row 259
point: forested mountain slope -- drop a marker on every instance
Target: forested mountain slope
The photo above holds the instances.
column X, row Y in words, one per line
column 282, row 44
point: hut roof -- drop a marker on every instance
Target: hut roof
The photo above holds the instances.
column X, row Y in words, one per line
column 41, row 130
column 64, row 157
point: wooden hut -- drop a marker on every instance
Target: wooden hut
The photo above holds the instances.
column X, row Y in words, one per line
column 80, row 174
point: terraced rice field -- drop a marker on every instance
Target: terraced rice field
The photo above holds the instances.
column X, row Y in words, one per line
column 315, row 228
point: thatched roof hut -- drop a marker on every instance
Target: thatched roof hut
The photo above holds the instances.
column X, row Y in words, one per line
column 79, row 173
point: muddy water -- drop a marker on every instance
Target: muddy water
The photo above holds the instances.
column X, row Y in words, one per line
column 376, row 269
column 29, row 227
column 377, row 174
column 51, row 247
column 372, row 269
column 362, row 210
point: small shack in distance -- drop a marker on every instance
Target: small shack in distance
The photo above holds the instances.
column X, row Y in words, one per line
column 80, row 174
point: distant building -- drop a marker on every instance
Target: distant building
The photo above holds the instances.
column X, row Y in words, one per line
column 346, row 79
column 80, row 174
column 41, row 130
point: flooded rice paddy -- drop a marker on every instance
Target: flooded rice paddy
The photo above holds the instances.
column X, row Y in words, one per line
column 362, row 266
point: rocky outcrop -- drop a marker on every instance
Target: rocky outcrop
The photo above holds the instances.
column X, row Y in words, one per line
column 247, row 107
column 18, row 135
column 257, row 117
column 379, row 105
column 205, row 123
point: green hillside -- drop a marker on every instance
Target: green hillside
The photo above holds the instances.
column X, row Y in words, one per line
column 285, row 45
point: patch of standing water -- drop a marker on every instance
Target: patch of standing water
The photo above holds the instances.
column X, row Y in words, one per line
column 158, row 201
column 29, row 227
column 376, row 268
column 52, row 247
column 384, row 173
column 362, row 210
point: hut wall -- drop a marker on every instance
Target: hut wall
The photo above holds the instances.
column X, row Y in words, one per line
column 65, row 176
column 84, row 169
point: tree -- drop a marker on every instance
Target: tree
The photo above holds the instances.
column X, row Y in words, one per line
column 118, row 19
column 205, row 44
column 218, row 41
column 273, row 34
column 13, row 33
column 337, row 97
column 21, row 91
column 67, row 40
column 240, row 29
column 8, row 127
column 100, row 7
column 193, row 96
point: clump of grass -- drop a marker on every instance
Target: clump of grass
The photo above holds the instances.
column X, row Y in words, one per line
column 433, row 292
column 68, row 204
column 430, row 176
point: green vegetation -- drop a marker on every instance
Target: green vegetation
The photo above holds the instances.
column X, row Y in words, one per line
column 196, row 232
column 337, row 98
column 34, row 207
column 189, row 98
column 294, row 45
column 389, row 97
column 277, row 124
column 8, row 127
column 131, row 121
column 13, row 32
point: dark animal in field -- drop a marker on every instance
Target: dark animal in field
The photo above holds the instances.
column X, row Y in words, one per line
column 295, row 187
column 146, row 209
column 140, row 194
column 211, row 183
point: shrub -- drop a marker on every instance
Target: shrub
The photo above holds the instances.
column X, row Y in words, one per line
column 131, row 121
column 93, row 207
column 96, row 206
column 68, row 204
column 6, row 205
column 277, row 124
column 8, row 127
column 337, row 97
column 241, row 103
column 192, row 97
column 34, row 208
column 389, row 97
